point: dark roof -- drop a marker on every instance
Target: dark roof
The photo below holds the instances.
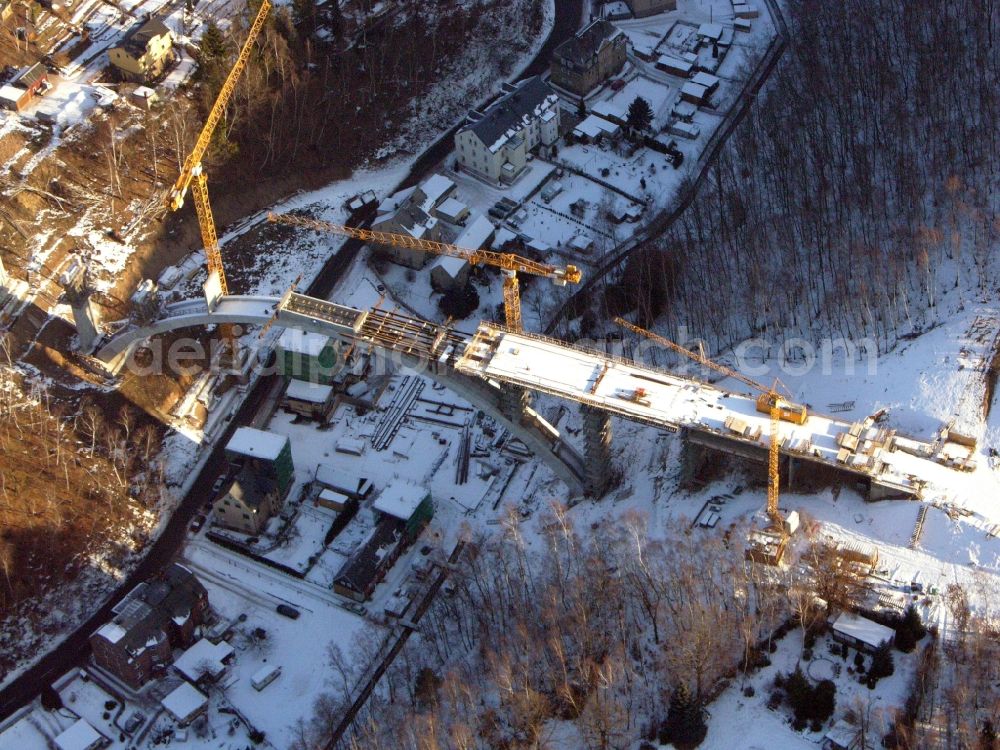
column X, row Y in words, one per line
column 251, row 488
column 176, row 591
column 137, row 39
column 145, row 611
column 508, row 111
column 31, row 76
column 152, row 27
column 143, row 627
column 587, row 42
column 372, row 557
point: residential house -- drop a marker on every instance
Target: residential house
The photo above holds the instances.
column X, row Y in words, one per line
column 642, row 8
column 363, row 571
column 453, row 211
column 332, row 500
column 694, row 93
column 303, row 355
column 81, row 736
column 249, row 502
column 595, row 54
column 845, row 736
column 27, row 84
column 355, row 487
column 408, row 502
column 154, row 617
column 416, row 212
column 494, row 144
column 267, row 454
column 710, row 82
column 311, row 400
column 860, row 632
column 144, row 52
column 185, row 703
column 204, row 661
column 674, row 65
column 449, row 272
column 710, row 33
column 412, row 212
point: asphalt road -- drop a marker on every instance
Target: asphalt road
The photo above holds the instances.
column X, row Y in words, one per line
column 74, row 649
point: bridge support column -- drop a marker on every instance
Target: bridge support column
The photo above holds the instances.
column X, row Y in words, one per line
column 596, row 449
column 77, row 293
column 514, row 402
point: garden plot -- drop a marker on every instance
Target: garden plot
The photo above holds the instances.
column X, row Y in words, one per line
column 749, row 721
column 660, row 95
column 629, row 173
column 322, row 624
column 303, row 542
column 557, row 224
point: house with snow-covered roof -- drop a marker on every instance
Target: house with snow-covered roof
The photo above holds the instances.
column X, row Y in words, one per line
column 156, row 616
column 860, row 632
column 494, row 144
column 204, row 661
column 413, row 212
column 451, row 272
column 407, row 502
column 265, row 454
column 81, row 736
column 185, row 703
column 589, row 58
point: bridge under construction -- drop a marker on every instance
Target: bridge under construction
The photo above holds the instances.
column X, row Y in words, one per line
column 496, row 367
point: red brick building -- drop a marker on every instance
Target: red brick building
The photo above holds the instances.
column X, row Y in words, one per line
column 157, row 616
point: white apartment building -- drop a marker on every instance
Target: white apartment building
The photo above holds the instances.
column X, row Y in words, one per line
column 494, row 145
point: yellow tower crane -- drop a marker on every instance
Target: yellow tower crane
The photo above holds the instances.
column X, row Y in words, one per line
column 769, row 402
column 193, row 174
column 509, row 263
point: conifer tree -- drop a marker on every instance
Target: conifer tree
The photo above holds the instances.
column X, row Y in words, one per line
column 640, row 115
column 882, row 664
column 685, row 726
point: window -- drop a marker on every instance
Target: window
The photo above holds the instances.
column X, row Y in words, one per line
column 246, row 516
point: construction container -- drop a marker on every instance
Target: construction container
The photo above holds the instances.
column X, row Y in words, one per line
column 787, row 411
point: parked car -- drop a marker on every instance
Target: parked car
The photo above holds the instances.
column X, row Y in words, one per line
column 197, row 522
column 134, row 721
column 287, row 611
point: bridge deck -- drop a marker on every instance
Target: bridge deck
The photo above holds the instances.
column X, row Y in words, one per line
column 660, row 398
column 897, row 465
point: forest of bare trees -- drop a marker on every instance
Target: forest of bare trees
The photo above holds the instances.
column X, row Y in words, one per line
column 859, row 190
column 314, row 99
column 598, row 628
column 78, row 491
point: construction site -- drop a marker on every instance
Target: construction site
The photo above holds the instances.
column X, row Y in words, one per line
column 345, row 453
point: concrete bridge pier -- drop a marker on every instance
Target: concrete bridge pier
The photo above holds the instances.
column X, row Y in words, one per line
column 514, row 401
column 596, row 449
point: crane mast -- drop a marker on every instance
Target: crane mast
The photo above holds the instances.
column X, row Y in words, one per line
column 769, row 402
column 192, row 174
column 509, row 263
